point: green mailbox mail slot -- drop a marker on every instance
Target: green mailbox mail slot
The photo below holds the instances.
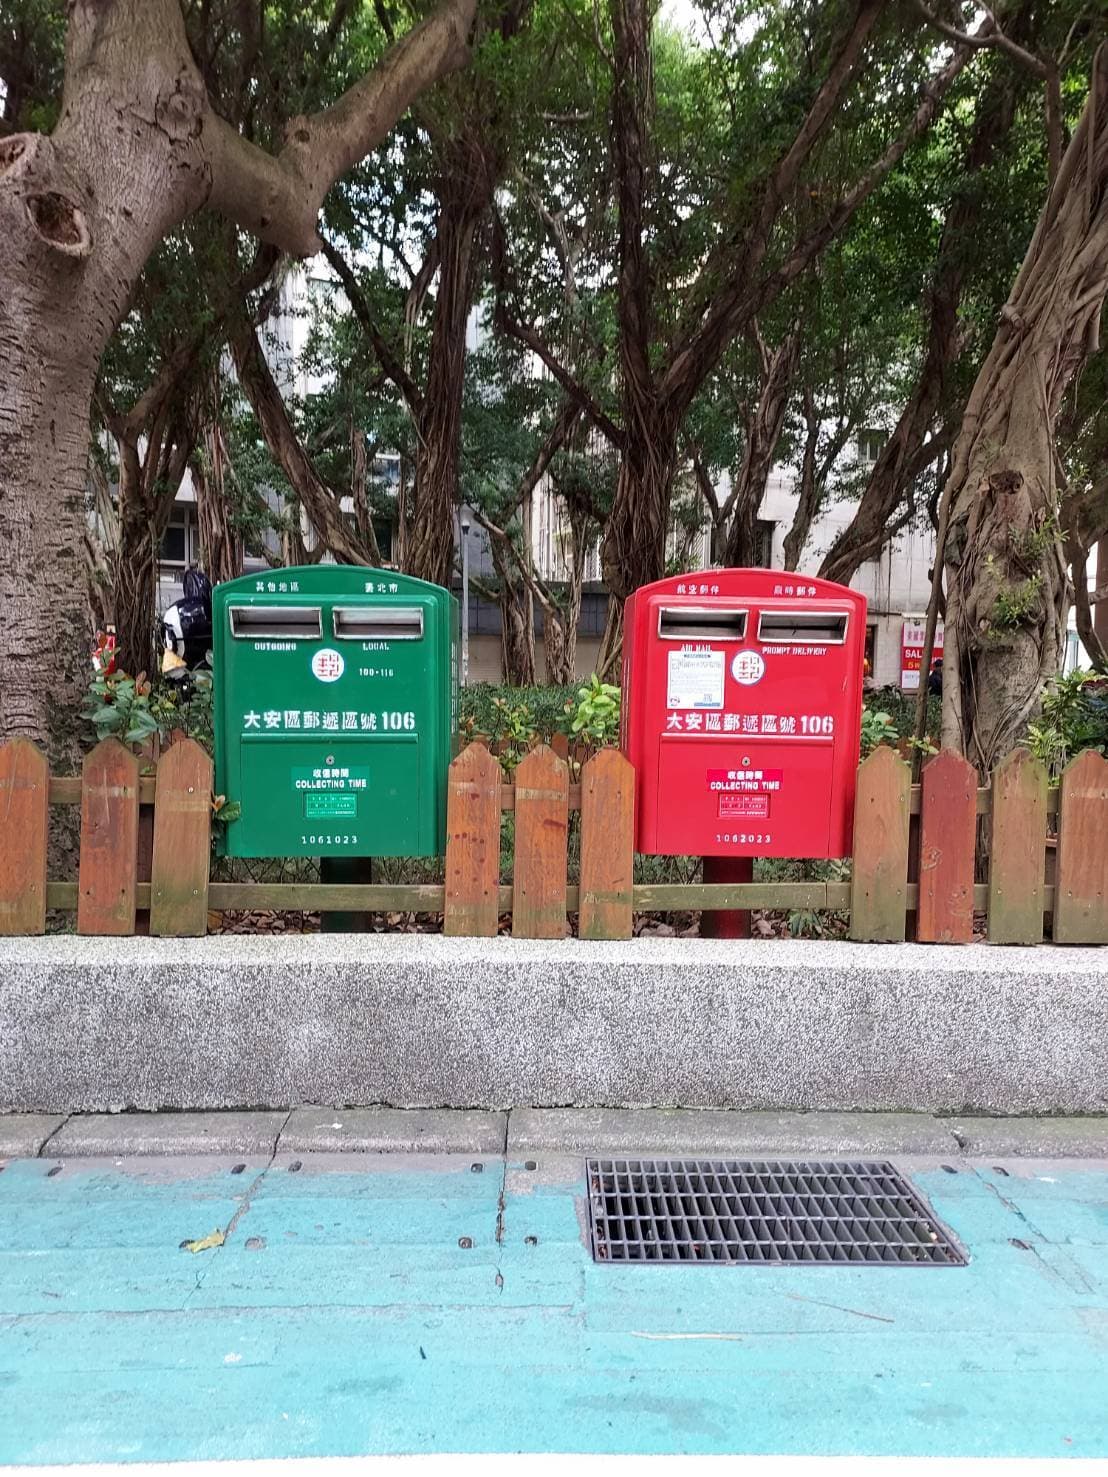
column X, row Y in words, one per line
column 336, row 708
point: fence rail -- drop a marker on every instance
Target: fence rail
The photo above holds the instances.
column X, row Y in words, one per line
column 918, row 856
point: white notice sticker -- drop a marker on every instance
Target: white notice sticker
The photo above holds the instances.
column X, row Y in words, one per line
column 695, row 679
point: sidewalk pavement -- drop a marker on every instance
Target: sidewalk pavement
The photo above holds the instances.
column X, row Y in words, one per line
column 428, row 1288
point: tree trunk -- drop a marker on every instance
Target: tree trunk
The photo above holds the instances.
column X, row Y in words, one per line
column 559, row 664
column 517, row 614
column 1006, row 585
column 814, row 472
column 319, row 501
column 147, row 490
column 359, row 495
column 517, row 633
column 580, row 523
column 429, row 546
column 561, row 661
column 136, row 149
column 633, row 551
column 221, row 545
column 1095, row 649
column 1085, row 528
column 44, row 625
column 400, row 549
column 80, row 212
column 763, row 433
column 135, row 571
column 101, row 537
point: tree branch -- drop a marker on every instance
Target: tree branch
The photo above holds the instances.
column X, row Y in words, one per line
column 1046, row 71
column 320, row 503
column 991, row 39
column 735, row 258
column 740, row 301
column 279, row 198
column 527, row 336
column 389, row 361
column 704, row 484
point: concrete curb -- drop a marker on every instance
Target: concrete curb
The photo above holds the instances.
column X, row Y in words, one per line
column 24, row 1136
column 391, row 1130
column 546, row 1133
column 138, row 1134
column 419, row 1021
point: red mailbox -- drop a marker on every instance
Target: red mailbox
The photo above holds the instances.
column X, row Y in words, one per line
column 742, row 703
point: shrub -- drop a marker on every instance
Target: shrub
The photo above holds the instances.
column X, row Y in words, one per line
column 484, row 705
column 877, row 728
column 1074, row 716
column 594, row 718
column 142, row 713
column 901, row 710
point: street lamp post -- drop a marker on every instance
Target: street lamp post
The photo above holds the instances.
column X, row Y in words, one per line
column 464, row 525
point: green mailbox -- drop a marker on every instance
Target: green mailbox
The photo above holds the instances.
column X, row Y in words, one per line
column 336, row 691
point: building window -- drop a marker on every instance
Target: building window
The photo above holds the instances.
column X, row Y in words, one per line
column 383, row 529
column 763, row 543
column 385, row 471
column 180, row 541
column 869, row 446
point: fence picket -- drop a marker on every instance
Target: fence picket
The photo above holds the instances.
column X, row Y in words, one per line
column 182, row 843
column 25, row 826
column 542, row 828
column 607, row 846
column 947, row 841
column 1017, row 850
column 1081, row 879
column 879, row 882
column 109, row 840
column 472, row 845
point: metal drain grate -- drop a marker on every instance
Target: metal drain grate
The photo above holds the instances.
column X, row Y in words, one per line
column 761, row 1211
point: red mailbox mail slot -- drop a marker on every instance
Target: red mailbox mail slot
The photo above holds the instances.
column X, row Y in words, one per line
column 742, row 700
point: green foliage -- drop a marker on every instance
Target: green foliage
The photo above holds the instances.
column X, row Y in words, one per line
column 122, row 707
column 595, row 719
column 1030, row 545
column 137, row 711
column 889, row 717
column 224, row 812
column 877, row 728
column 808, row 922
column 1074, row 717
column 483, row 706
column 1016, row 604
column 514, row 731
column 143, row 715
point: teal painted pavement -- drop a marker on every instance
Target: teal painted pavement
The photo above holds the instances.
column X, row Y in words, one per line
column 343, row 1317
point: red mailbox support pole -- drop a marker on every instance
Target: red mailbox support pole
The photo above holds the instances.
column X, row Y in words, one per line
column 730, row 923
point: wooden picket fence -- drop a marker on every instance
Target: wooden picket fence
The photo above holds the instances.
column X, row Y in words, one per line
column 145, row 849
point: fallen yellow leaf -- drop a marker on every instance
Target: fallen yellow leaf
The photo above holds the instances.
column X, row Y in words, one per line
column 205, row 1243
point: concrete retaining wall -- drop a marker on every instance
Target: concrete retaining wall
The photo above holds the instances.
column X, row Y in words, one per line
column 422, row 1021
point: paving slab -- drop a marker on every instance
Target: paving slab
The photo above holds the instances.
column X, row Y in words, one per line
column 22, row 1135
column 393, row 1130
column 124, row 1134
column 388, row 1303
column 736, row 1134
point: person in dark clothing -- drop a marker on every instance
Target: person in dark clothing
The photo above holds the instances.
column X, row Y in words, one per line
column 935, row 678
